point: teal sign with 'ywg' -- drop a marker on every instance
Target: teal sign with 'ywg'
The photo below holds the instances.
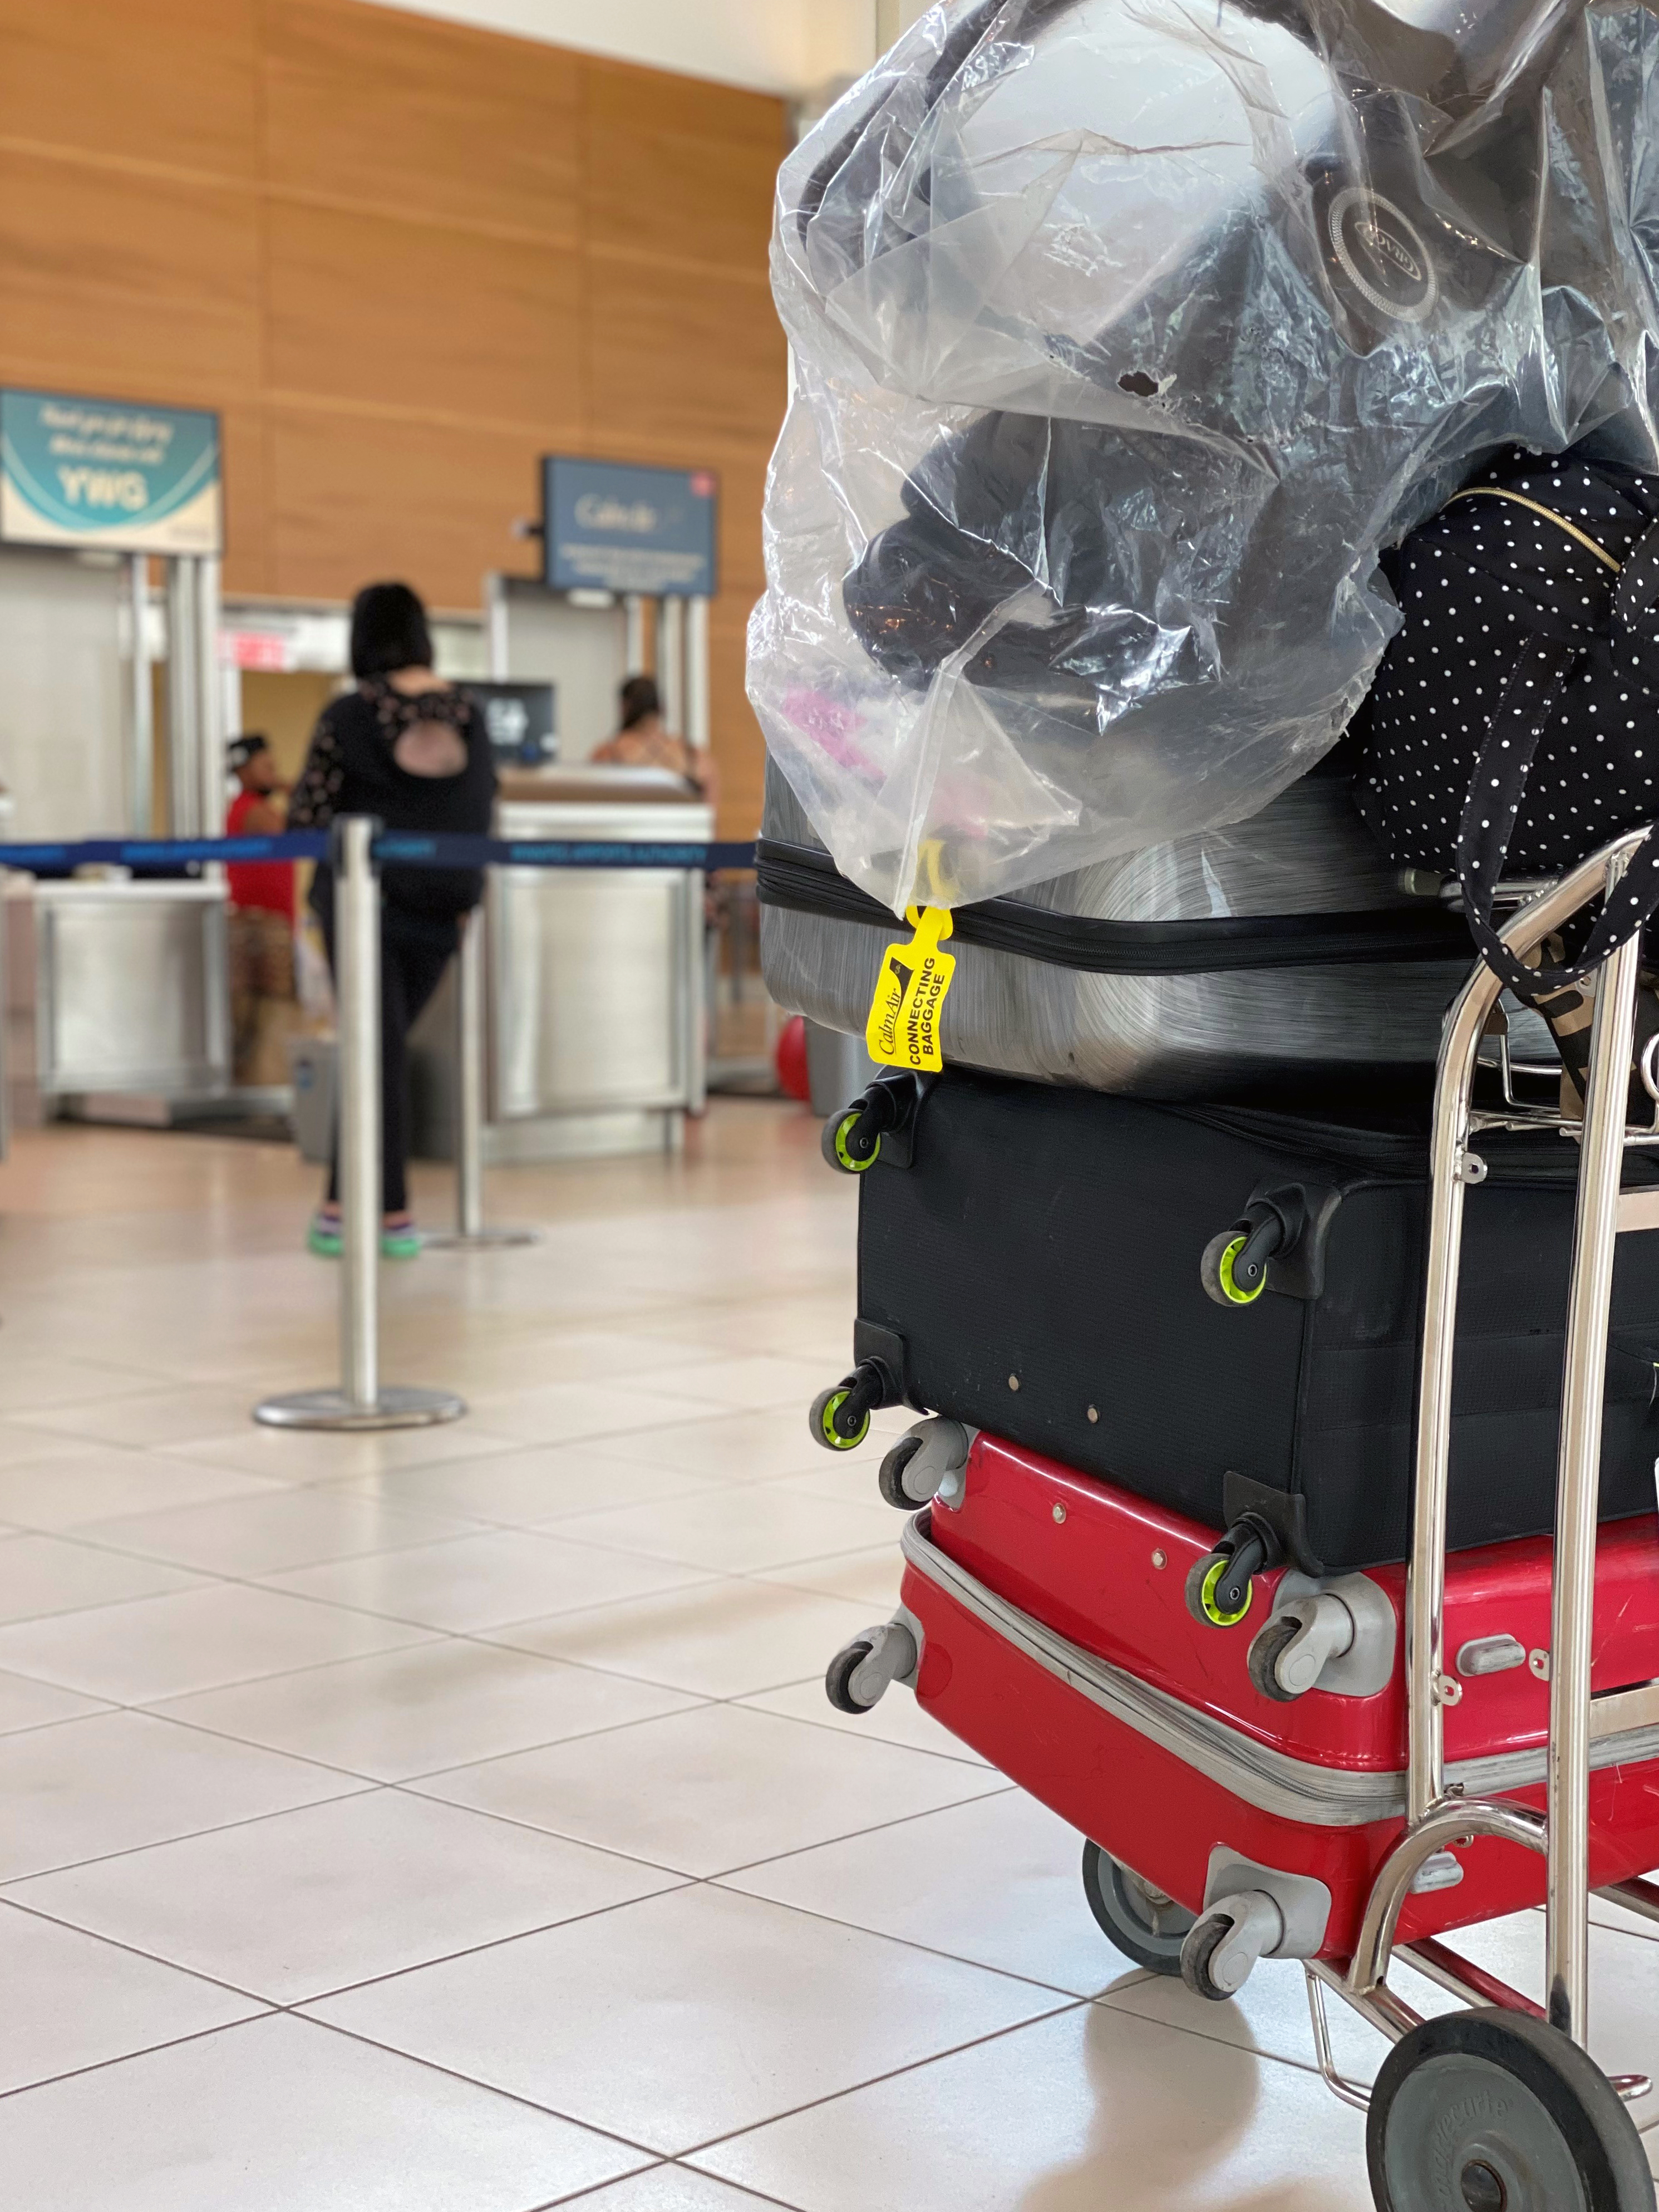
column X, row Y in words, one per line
column 99, row 472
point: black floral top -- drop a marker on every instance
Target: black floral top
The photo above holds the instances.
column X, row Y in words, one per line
column 351, row 768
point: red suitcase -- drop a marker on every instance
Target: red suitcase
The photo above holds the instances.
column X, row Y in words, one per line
column 1056, row 1639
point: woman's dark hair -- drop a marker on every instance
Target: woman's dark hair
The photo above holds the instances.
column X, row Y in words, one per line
column 388, row 631
column 640, row 697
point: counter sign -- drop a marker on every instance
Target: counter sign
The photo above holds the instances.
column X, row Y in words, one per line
column 612, row 527
column 102, row 473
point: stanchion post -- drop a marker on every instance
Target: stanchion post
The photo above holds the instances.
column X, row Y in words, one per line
column 360, row 1402
column 472, row 1011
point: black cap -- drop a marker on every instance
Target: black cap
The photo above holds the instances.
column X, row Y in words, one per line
column 242, row 750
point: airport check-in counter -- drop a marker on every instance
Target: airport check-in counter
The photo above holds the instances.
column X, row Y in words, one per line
column 595, row 1017
column 115, row 988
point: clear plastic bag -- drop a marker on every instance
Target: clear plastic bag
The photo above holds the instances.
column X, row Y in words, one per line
column 1126, row 333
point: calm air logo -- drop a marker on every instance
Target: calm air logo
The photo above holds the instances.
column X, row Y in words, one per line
column 1382, row 255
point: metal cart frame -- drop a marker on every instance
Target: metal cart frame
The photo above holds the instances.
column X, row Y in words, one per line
column 1438, row 1819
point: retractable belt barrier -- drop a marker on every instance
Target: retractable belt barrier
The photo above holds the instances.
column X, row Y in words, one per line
column 358, row 847
column 392, row 848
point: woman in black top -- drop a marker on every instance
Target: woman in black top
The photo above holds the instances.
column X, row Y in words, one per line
column 408, row 748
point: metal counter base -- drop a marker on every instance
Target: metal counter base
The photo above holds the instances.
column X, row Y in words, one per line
column 398, row 1406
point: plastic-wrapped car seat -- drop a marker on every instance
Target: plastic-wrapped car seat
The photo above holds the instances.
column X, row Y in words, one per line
column 1126, row 331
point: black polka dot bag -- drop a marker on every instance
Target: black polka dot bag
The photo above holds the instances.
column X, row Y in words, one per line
column 1513, row 725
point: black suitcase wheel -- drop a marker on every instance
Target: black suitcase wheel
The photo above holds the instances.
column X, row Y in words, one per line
column 1202, row 1601
column 840, row 1418
column 1495, row 2111
column 1215, row 1271
column 1140, row 1920
column 891, row 1481
column 852, row 1140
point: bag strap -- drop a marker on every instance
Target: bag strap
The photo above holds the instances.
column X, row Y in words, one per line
column 1531, row 699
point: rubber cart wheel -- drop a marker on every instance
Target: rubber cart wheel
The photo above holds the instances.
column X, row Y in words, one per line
column 1491, row 2110
column 891, row 1481
column 1263, row 1656
column 1140, row 1920
column 1215, row 1271
column 837, row 1680
column 823, row 1423
column 845, row 1143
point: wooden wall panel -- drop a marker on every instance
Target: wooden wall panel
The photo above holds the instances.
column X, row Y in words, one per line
column 139, row 286
column 164, row 80
column 688, row 179
column 390, row 110
column 403, row 259
column 353, row 501
column 686, row 356
column 443, row 319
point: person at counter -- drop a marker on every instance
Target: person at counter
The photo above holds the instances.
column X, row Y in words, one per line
column 645, row 740
column 261, row 902
column 410, row 749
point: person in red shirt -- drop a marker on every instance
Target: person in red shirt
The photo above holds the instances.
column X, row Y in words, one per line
column 261, row 900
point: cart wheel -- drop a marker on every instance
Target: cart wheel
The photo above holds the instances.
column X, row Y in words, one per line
column 848, row 1144
column 1200, row 1593
column 1263, row 1656
column 1146, row 1925
column 831, row 1425
column 1495, row 2111
column 891, row 1481
column 837, row 1682
column 1215, row 1270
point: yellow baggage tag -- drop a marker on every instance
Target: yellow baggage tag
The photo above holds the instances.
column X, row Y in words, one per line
column 903, row 1030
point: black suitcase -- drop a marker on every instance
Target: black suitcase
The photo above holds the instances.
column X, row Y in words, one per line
column 1030, row 1262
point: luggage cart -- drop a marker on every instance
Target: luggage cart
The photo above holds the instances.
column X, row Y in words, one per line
column 1495, row 2106
column 1499, row 2107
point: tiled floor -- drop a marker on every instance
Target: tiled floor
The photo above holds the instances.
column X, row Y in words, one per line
column 454, row 1822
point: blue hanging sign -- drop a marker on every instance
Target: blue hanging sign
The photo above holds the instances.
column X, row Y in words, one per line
column 99, row 473
column 611, row 527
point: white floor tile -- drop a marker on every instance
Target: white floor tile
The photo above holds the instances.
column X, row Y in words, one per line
column 870, row 1576
column 538, row 1485
column 72, row 2001
column 738, row 1447
column 117, row 1781
column 369, row 1886
column 996, row 1881
column 312, row 1455
column 565, row 1413
column 757, row 1379
column 897, row 1719
column 55, row 1379
column 157, row 1419
column 1088, row 2111
column 715, row 1788
column 485, row 1581
column 687, row 2016
column 281, row 1529
column 92, row 1482
column 749, row 1529
column 723, row 1639
column 282, row 2116
column 672, row 2189
column 29, row 1705
column 428, row 1706
column 197, row 1639
column 41, row 1575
